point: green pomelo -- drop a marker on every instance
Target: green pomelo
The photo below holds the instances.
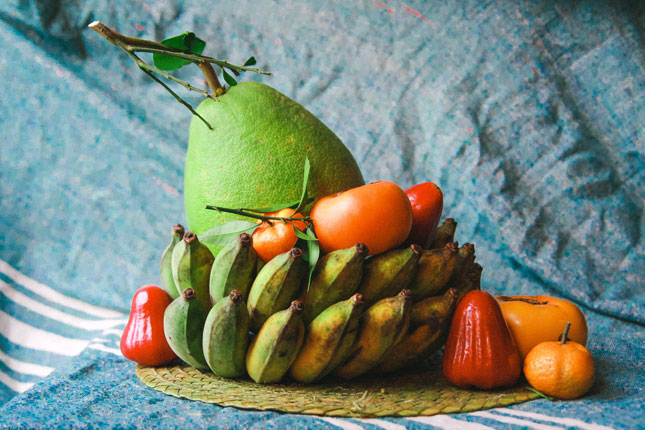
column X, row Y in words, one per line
column 255, row 154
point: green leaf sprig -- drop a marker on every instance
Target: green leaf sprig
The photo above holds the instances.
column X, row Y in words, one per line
column 186, row 42
column 221, row 234
column 174, row 53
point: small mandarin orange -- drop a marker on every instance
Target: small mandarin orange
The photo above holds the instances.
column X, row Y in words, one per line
column 562, row 369
column 276, row 237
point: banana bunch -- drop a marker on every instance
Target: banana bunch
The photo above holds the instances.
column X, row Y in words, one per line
column 359, row 314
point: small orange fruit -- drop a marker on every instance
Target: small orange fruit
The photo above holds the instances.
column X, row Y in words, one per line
column 562, row 369
column 276, row 237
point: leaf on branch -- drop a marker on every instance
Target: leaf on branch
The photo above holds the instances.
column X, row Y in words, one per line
column 305, row 181
column 274, row 208
column 250, row 62
column 186, row 42
column 228, row 78
column 541, row 394
column 222, row 234
column 313, row 253
column 304, row 235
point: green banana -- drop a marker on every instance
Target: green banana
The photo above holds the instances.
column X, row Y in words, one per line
column 328, row 340
column 226, row 336
column 472, row 281
column 233, row 268
column 191, row 267
column 183, row 323
column 382, row 326
column 388, row 273
column 335, row 278
column 464, row 261
column 434, row 269
column 445, row 233
column 432, row 308
column 167, row 281
column 276, row 345
column 275, row 286
column 416, row 344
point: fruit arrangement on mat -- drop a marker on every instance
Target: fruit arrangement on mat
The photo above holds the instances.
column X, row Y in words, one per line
column 295, row 270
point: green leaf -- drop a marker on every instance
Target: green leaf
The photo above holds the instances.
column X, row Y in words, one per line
column 303, row 234
column 250, row 62
column 186, row 42
column 313, row 250
column 541, row 394
column 305, row 181
column 274, row 208
column 229, row 79
column 222, row 234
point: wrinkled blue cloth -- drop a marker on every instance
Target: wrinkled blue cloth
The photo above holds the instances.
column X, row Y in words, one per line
column 529, row 115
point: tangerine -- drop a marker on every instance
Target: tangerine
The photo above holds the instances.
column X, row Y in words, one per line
column 276, row 237
column 562, row 369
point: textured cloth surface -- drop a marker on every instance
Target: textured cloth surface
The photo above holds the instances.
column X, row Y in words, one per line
column 529, row 115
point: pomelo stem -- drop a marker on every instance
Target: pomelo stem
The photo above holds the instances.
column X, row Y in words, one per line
column 211, row 78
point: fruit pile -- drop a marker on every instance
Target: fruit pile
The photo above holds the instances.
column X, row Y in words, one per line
column 255, row 309
column 356, row 312
column 359, row 313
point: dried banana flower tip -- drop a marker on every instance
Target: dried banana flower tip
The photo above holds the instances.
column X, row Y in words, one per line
column 297, row 306
column 190, row 237
column 416, row 248
column 236, row 296
column 245, row 239
column 453, row 247
column 361, row 248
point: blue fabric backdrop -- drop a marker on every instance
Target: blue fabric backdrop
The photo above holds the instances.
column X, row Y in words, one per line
column 528, row 114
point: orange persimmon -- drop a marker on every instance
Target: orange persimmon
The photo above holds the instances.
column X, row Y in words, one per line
column 536, row 319
column 378, row 214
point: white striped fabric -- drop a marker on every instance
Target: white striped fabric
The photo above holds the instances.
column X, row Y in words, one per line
column 448, row 422
column 568, row 422
column 387, row 425
column 509, row 420
column 54, row 296
column 40, row 328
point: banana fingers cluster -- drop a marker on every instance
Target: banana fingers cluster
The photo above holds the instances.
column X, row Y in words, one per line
column 361, row 314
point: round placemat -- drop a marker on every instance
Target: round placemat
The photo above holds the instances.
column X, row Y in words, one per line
column 408, row 394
